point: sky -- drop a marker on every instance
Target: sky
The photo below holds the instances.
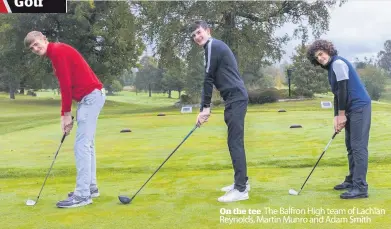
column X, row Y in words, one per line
column 359, row 28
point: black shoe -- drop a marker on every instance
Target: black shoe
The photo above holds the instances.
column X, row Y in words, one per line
column 344, row 185
column 354, row 193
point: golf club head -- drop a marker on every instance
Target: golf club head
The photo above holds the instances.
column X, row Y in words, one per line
column 293, row 192
column 124, row 199
column 30, row 202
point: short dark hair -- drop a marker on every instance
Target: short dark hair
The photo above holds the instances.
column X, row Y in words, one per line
column 318, row 45
column 196, row 24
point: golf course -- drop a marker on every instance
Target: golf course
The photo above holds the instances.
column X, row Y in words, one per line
column 184, row 192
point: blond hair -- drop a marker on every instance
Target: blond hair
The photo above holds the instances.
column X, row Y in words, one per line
column 31, row 37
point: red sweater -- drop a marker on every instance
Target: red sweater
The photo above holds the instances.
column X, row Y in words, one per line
column 75, row 77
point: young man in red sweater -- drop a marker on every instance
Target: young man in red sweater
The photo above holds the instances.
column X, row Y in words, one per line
column 77, row 82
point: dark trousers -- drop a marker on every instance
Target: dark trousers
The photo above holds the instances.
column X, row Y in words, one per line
column 234, row 115
column 356, row 139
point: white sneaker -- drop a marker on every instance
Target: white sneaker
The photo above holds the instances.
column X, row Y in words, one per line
column 232, row 186
column 234, row 195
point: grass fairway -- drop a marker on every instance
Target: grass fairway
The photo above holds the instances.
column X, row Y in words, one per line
column 183, row 194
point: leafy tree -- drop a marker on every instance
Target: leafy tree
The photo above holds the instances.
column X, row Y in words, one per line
column 306, row 78
column 384, row 57
column 248, row 28
column 374, row 79
column 149, row 75
column 107, row 34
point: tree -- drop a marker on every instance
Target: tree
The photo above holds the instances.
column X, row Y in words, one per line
column 195, row 74
column 306, row 78
column 117, row 44
column 247, row 27
column 363, row 63
column 10, row 83
column 261, row 79
column 384, row 57
column 107, row 36
column 149, row 75
column 173, row 80
column 127, row 77
column 106, row 33
column 174, row 76
column 116, row 86
column 12, row 51
column 374, row 79
column 269, row 77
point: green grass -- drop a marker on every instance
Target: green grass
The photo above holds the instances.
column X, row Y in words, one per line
column 183, row 194
column 156, row 99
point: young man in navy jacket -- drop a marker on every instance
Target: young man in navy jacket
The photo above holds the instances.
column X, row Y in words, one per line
column 352, row 111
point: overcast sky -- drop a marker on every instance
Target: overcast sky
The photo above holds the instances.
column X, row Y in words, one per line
column 359, row 28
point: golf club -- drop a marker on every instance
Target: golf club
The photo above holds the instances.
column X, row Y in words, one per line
column 294, row 192
column 127, row 200
column 32, row 202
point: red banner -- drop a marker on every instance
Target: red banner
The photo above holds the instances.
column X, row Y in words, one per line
column 3, row 8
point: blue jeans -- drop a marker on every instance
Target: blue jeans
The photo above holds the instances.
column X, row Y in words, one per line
column 88, row 110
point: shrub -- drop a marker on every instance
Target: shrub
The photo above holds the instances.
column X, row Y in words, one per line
column 217, row 102
column 186, row 99
column 116, row 86
column 374, row 80
column 302, row 93
column 269, row 95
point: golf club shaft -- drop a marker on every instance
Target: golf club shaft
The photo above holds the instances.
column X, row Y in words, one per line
column 195, row 127
column 327, row 146
column 51, row 166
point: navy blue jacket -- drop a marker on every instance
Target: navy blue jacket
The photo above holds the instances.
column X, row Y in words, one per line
column 341, row 69
column 221, row 70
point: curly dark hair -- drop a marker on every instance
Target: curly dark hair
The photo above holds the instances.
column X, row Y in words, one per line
column 323, row 45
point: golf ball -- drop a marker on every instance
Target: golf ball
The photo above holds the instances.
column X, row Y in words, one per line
column 293, row 192
column 30, row 202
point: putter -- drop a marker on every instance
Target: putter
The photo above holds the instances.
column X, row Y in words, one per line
column 294, row 192
column 127, row 200
column 33, row 202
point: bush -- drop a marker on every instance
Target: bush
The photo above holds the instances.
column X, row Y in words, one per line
column 116, row 86
column 269, row 95
column 217, row 102
column 374, row 80
column 302, row 93
column 186, row 99
column 284, row 94
column 32, row 93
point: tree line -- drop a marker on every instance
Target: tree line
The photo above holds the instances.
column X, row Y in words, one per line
column 114, row 38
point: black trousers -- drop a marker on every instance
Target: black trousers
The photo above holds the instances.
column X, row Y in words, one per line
column 234, row 115
column 356, row 139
